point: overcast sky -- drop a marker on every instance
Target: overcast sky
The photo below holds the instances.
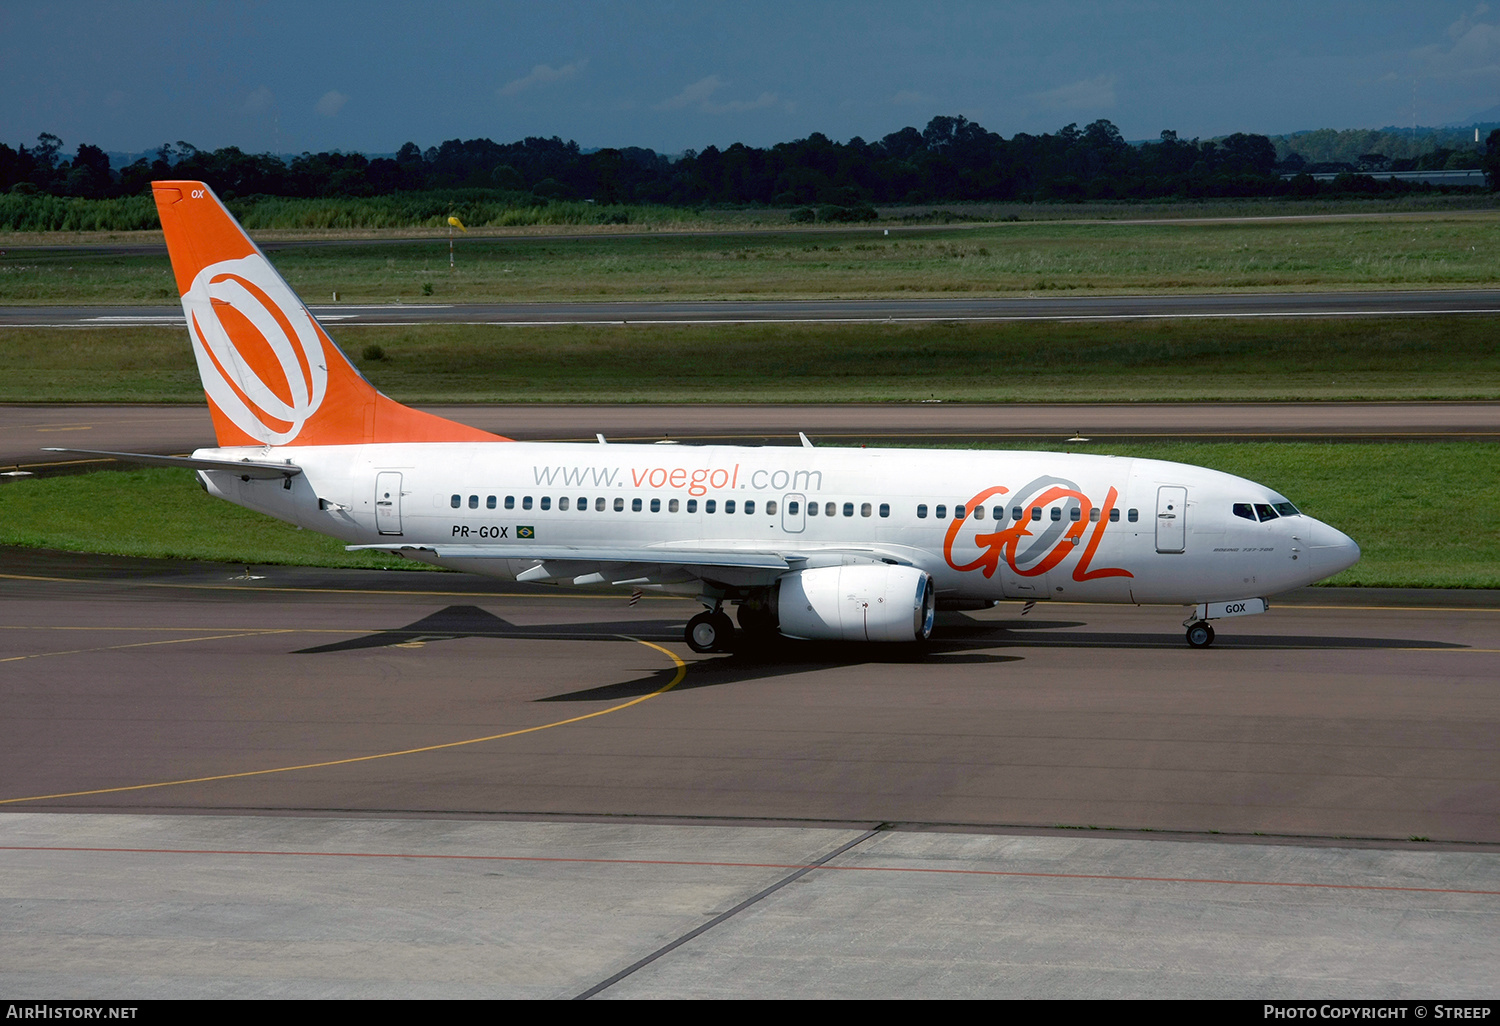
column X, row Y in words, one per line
column 310, row 75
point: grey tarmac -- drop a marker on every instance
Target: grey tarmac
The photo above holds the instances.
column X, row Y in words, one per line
column 25, row 430
column 1066, row 803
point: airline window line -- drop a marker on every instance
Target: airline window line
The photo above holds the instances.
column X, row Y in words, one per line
column 769, row 507
column 940, row 511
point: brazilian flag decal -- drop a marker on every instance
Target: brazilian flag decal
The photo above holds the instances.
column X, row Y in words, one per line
column 525, row 532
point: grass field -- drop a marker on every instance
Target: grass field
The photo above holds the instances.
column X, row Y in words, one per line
column 1425, row 515
column 1424, row 250
column 1356, row 358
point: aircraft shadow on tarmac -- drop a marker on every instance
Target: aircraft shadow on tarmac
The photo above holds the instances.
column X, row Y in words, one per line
column 958, row 639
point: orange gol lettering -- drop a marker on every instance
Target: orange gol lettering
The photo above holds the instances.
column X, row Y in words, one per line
column 1005, row 542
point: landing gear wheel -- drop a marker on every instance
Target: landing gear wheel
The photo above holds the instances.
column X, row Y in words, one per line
column 755, row 618
column 708, row 632
column 1200, row 635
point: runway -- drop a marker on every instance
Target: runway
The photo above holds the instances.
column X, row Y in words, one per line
column 1405, row 303
column 26, row 429
column 1083, row 757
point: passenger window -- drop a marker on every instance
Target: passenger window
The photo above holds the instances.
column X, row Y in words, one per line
column 709, row 506
column 941, row 512
column 771, row 508
column 1094, row 515
column 656, row 505
column 1245, row 510
column 1134, row 516
column 997, row 513
column 562, row 503
column 526, row 502
column 830, row 509
column 958, row 512
column 885, row 509
column 812, row 509
column 866, row 509
column 489, row 502
column 599, row 504
column 749, row 505
column 922, row 511
column 583, row 504
column 456, row 501
column 1036, row 513
column 672, row 506
column 848, row 509
column 1057, row 513
column 1075, row 513
column 728, row 505
column 792, row 508
column 474, row 502
column 1114, row 516
column 1017, row 513
column 510, row 502
column 619, row 505
column 1265, row 511
column 978, row 512
column 546, row 502
column 692, row 505
column 635, row 505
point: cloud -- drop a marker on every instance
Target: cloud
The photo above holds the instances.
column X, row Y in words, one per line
column 260, row 101
column 1089, row 94
column 699, row 97
column 1475, row 48
column 331, row 103
column 542, row 74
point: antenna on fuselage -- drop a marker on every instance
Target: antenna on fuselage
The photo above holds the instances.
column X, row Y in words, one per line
column 600, row 435
column 806, row 444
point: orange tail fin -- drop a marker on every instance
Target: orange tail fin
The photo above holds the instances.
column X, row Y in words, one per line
column 272, row 375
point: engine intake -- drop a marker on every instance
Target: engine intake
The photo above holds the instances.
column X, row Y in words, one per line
column 859, row 602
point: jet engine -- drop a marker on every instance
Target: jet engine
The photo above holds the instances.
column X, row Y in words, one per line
column 859, row 602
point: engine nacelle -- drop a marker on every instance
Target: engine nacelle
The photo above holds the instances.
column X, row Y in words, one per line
column 860, row 602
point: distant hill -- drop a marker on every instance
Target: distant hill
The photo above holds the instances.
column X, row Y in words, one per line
column 1327, row 145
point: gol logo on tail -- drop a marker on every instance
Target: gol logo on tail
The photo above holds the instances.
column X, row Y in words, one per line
column 259, row 354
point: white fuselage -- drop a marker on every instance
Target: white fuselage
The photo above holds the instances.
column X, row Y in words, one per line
column 1034, row 525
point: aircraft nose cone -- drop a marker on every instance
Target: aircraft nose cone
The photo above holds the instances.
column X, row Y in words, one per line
column 1331, row 550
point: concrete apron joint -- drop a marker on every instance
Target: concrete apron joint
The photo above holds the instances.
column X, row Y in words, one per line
column 723, row 916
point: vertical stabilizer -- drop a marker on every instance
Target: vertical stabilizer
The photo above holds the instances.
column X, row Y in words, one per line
column 272, row 375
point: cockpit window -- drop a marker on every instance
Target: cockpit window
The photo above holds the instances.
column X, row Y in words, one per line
column 1244, row 509
column 1286, row 509
column 1265, row 511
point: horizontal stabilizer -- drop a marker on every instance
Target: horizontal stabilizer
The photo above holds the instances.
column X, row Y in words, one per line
column 244, row 468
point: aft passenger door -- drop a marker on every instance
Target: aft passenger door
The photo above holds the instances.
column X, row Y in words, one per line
column 388, row 502
column 1171, row 519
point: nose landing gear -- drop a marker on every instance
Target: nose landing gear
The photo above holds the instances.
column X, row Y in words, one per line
column 1200, row 634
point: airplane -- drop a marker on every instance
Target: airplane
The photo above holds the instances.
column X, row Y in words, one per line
column 809, row 542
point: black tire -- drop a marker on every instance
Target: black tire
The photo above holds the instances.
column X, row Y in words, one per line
column 755, row 618
column 1200, row 635
column 726, row 630
column 708, row 632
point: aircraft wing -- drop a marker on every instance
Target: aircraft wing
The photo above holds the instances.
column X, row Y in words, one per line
column 603, row 565
column 244, row 468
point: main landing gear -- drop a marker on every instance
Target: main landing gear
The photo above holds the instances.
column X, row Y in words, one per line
column 709, row 631
column 1200, row 634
